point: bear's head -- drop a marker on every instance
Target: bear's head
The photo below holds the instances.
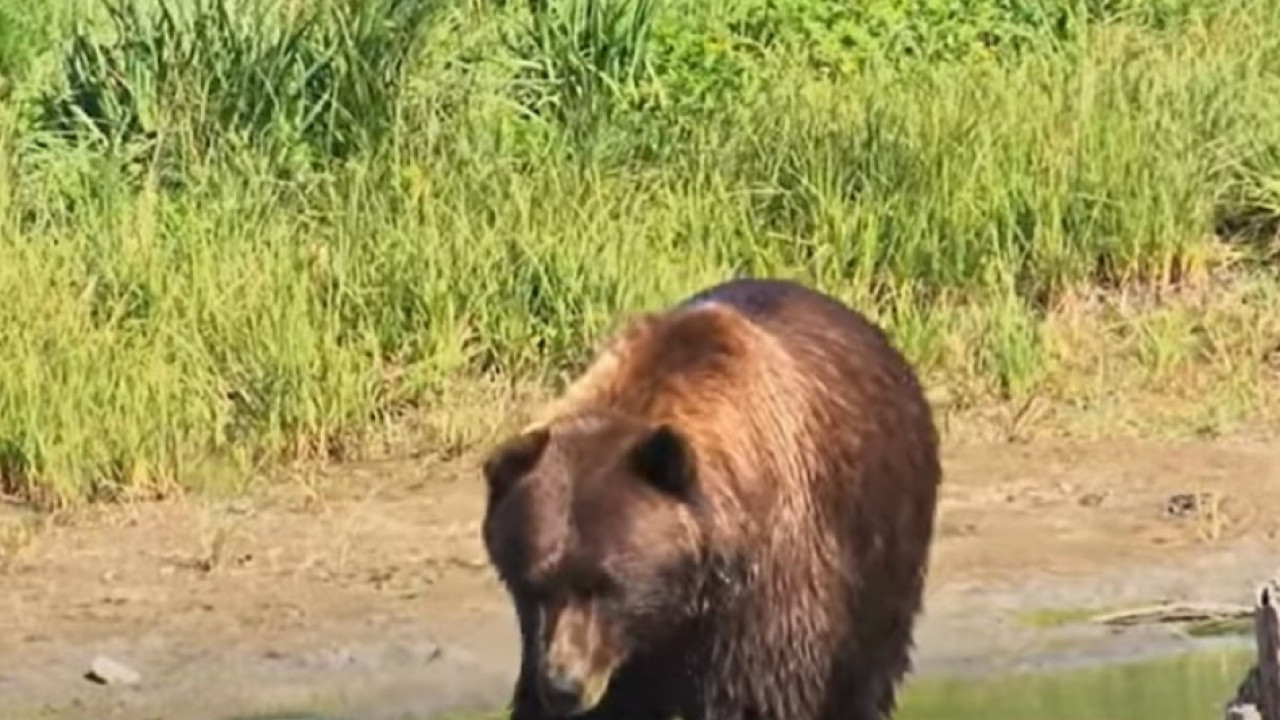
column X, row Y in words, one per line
column 593, row 526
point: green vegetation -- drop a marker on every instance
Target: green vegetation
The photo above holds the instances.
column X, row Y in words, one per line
column 263, row 230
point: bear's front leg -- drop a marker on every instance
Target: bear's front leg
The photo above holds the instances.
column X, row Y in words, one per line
column 525, row 704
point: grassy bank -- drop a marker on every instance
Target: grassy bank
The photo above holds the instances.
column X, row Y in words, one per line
column 264, row 232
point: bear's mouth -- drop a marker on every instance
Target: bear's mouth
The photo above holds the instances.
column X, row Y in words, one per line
column 566, row 696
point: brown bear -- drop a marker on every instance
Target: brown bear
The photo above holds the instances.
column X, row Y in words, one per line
column 726, row 517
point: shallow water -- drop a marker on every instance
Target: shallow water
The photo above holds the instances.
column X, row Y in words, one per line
column 1186, row 687
column 1192, row 686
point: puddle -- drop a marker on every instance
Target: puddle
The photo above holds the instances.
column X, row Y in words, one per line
column 1191, row 686
column 1186, row 687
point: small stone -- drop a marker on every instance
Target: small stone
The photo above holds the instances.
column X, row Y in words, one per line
column 1182, row 504
column 105, row 671
column 1093, row 499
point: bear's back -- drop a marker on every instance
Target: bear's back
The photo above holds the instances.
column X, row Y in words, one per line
column 862, row 503
column 842, row 348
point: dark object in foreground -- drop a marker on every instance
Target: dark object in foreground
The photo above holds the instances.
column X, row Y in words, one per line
column 728, row 515
column 1259, row 693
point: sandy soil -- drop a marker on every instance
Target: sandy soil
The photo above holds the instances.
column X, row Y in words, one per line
column 363, row 592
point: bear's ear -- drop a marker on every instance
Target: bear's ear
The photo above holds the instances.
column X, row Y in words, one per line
column 511, row 459
column 664, row 458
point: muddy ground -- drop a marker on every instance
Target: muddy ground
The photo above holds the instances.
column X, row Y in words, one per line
column 362, row 591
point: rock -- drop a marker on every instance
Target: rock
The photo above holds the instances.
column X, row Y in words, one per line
column 105, row 671
column 1092, row 499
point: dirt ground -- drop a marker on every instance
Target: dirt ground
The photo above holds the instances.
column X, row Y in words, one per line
column 362, row 591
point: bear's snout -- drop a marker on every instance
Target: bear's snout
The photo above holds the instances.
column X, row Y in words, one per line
column 561, row 692
column 578, row 660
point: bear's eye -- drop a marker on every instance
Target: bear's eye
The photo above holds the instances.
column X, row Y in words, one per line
column 570, row 580
column 598, row 585
column 583, row 584
column 537, row 593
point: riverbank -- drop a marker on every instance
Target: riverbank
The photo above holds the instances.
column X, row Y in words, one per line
column 361, row 590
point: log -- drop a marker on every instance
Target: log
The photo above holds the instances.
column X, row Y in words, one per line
column 1258, row 696
column 1176, row 612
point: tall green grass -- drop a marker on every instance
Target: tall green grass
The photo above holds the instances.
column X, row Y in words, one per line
column 232, row 229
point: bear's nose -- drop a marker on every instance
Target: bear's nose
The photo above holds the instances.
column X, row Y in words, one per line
column 561, row 692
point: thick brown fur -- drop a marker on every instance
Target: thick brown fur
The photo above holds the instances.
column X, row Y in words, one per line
column 727, row 516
